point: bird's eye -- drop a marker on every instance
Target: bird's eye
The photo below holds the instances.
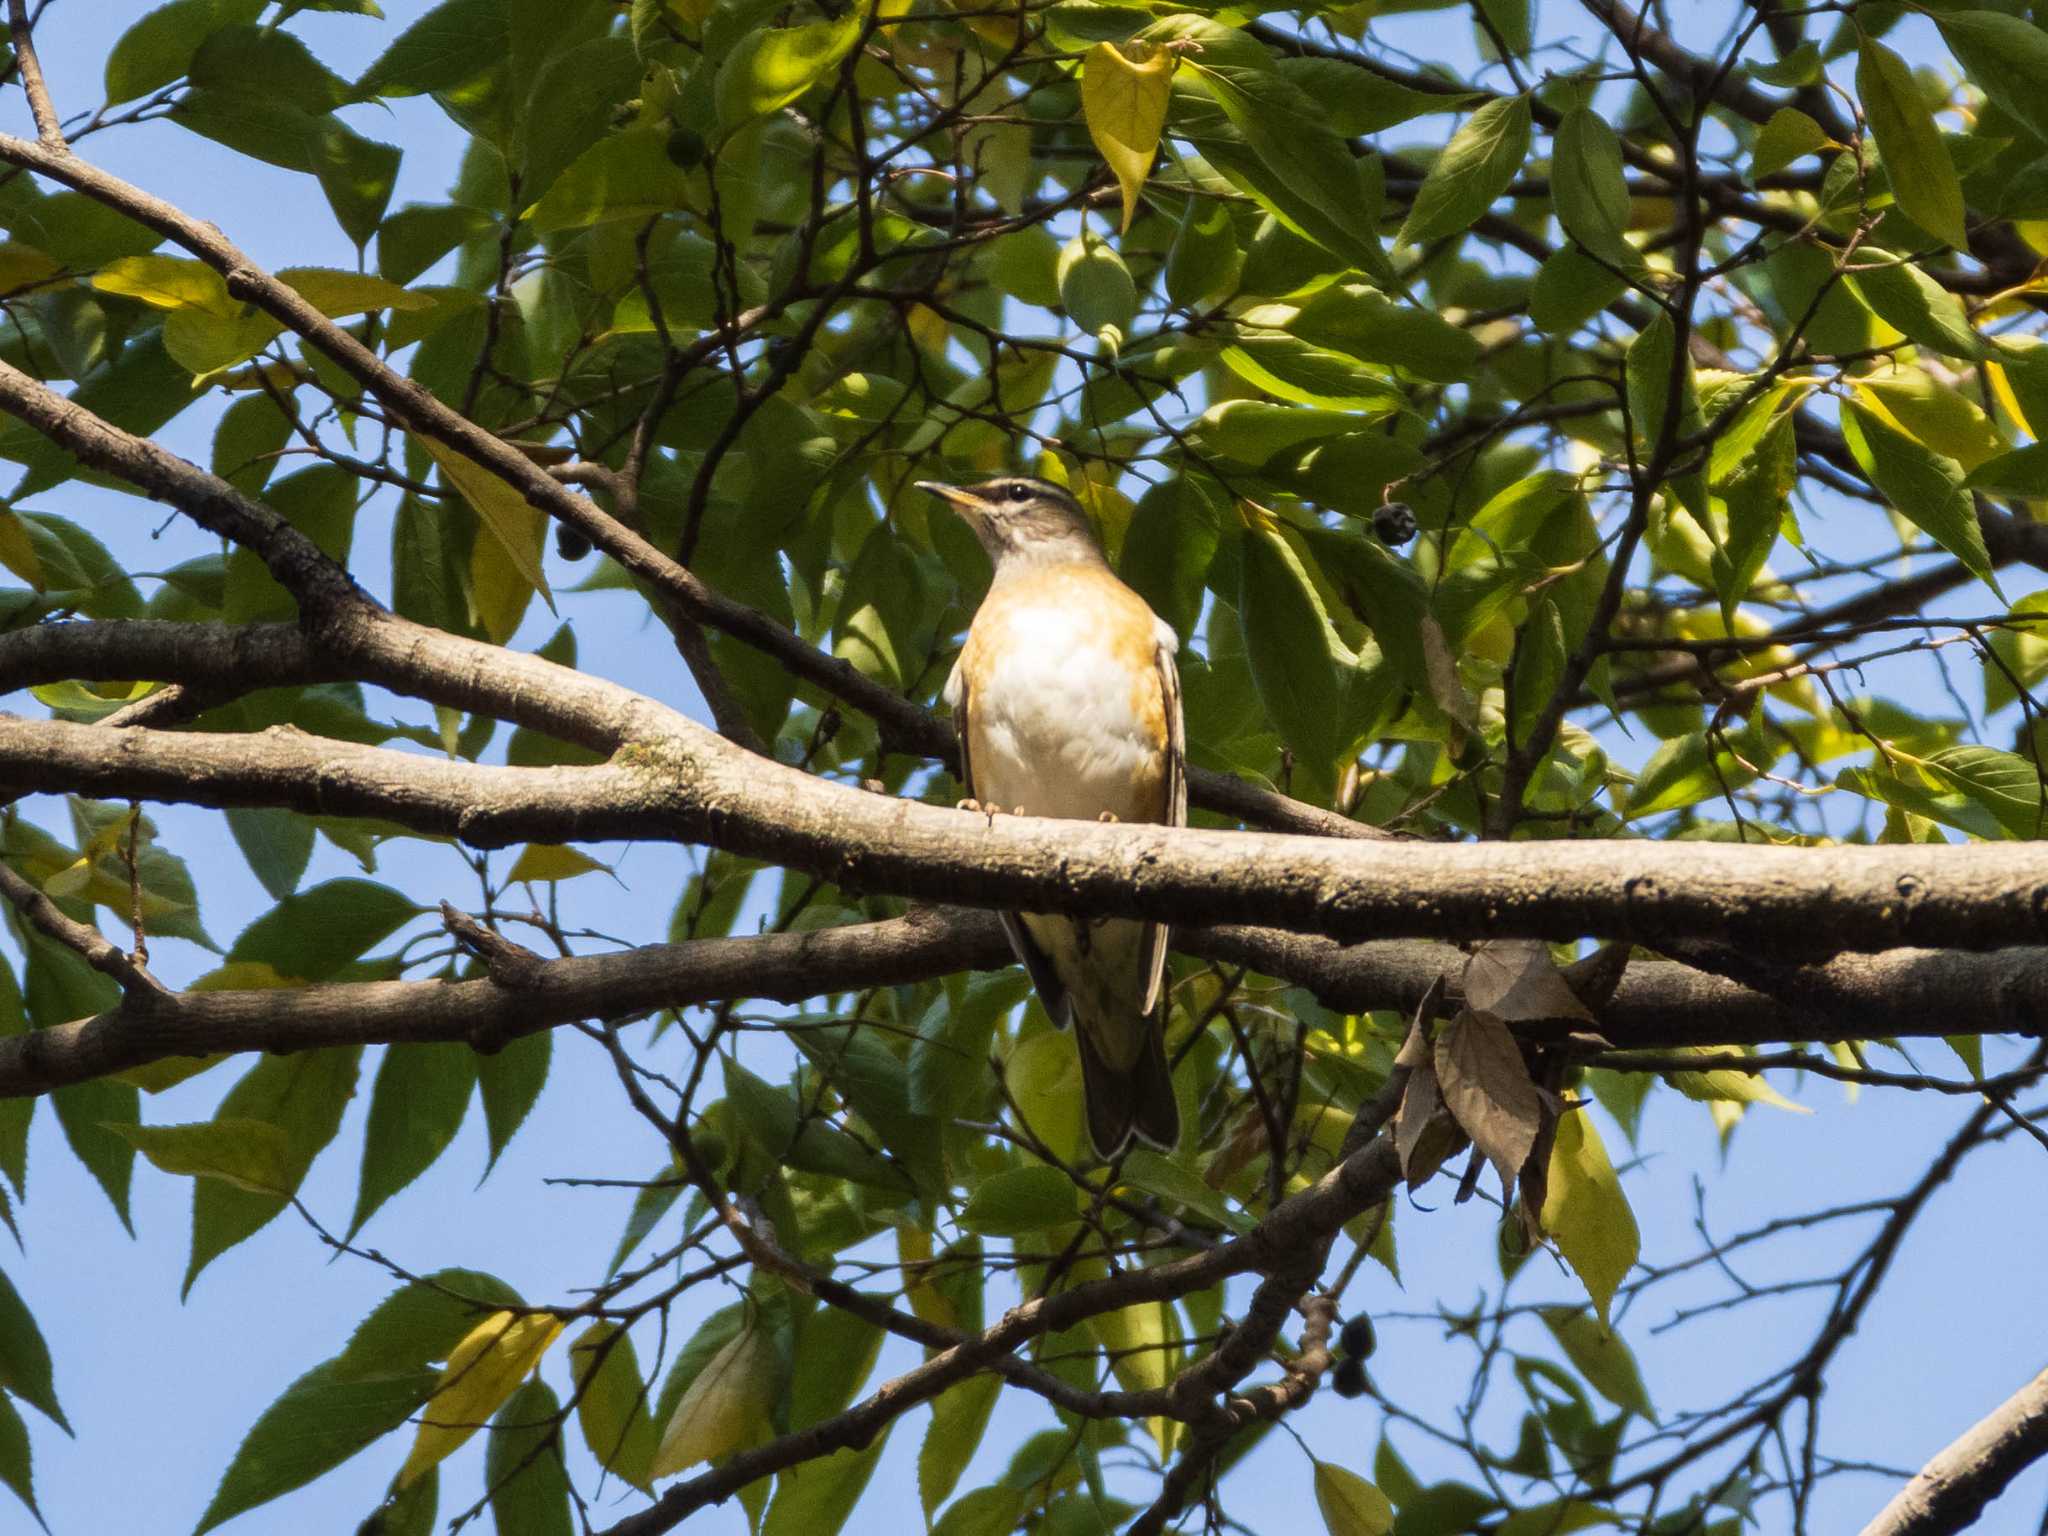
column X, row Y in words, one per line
column 1017, row 490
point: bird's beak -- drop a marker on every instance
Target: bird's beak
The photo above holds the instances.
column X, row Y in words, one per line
column 966, row 503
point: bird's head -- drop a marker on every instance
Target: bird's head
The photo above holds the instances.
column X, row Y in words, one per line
column 1021, row 521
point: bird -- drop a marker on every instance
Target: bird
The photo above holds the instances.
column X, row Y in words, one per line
column 1067, row 704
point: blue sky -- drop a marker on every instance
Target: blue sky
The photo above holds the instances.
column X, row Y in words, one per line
column 160, row 1391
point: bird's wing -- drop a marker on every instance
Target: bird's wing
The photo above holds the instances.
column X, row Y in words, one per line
column 1037, row 965
column 1153, row 951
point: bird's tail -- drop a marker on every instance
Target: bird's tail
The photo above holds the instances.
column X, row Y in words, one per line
column 1126, row 1101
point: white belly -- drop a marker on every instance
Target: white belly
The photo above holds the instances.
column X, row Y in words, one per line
column 1056, row 728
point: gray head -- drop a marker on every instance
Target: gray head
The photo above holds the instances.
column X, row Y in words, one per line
column 1021, row 521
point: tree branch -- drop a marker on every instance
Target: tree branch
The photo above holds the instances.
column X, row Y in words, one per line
column 1950, row 1492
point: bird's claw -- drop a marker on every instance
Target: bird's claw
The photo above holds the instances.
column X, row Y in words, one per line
column 1109, row 816
column 980, row 809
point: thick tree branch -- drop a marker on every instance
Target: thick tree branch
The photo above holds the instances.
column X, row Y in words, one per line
column 680, row 782
column 1950, row 1492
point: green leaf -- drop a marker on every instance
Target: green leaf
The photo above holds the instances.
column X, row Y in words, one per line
column 1789, row 135
column 960, row 1416
column 990, row 1511
column 1042, row 1079
column 510, row 1082
column 772, row 67
column 1600, row 1356
column 611, row 1404
column 625, row 176
column 2022, row 472
column 573, row 99
column 303, row 1095
column 236, row 56
column 1294, row 651
column 1922, row 175
column 835, row 1351
column 25, row 1358
column 816, row 1499
column 1176, row 1185
column 157, row 49
column 16, row 1461
column 416, row 1107
column 356, row 174
column 1016, row 1201
column 2003, row 56
column 1586, row 1211
column 278, row 844
column 317, row 932
column 1095, row 286
column 949, row 1059
column 139, row 390
column 449, row 46
column 58, row 987
column 1910, row 301
column 1570, row 288
column 249, row 1154
column 523, row 1465
column 1351, row 1506
column 1652, row 358
column 1476, row 166
column 1168, row 549
column 1924, row 487
column 420, row 1323
column 1353, row 319
column 1755, row 500
column 319, row 1422
column 1587, row 187
column 1298, row 168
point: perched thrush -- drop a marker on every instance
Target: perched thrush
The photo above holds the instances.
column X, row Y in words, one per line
column 1068, row 704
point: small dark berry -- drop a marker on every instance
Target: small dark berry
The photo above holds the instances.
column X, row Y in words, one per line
column 1394, row 522
column 570, row 543
column 686, row 147
column 1349, row 1379
column 1358, row 1339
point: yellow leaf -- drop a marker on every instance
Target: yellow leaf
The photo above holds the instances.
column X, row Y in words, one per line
column 499, row 588
column 482, row 1371
column 23, row 266
column 2001, row 390
column 1123, row 97
column 71, row 880
column 914, row 1249
column 550, row 861
column 1728, row 1085
column 168, row 282
column 1933, row 415
column 1142, row 1346
column 515, row 526
column 1586, row 1211
column 1351, row 1506
column 336, row 293
column 724, row 1406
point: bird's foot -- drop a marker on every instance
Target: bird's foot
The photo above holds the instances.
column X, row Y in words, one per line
column 980, row 808
column 1109, row 816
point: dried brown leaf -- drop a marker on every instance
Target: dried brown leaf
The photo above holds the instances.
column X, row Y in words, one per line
column 1517, row 982
column 1423, row 1133
column 1487, row 1088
